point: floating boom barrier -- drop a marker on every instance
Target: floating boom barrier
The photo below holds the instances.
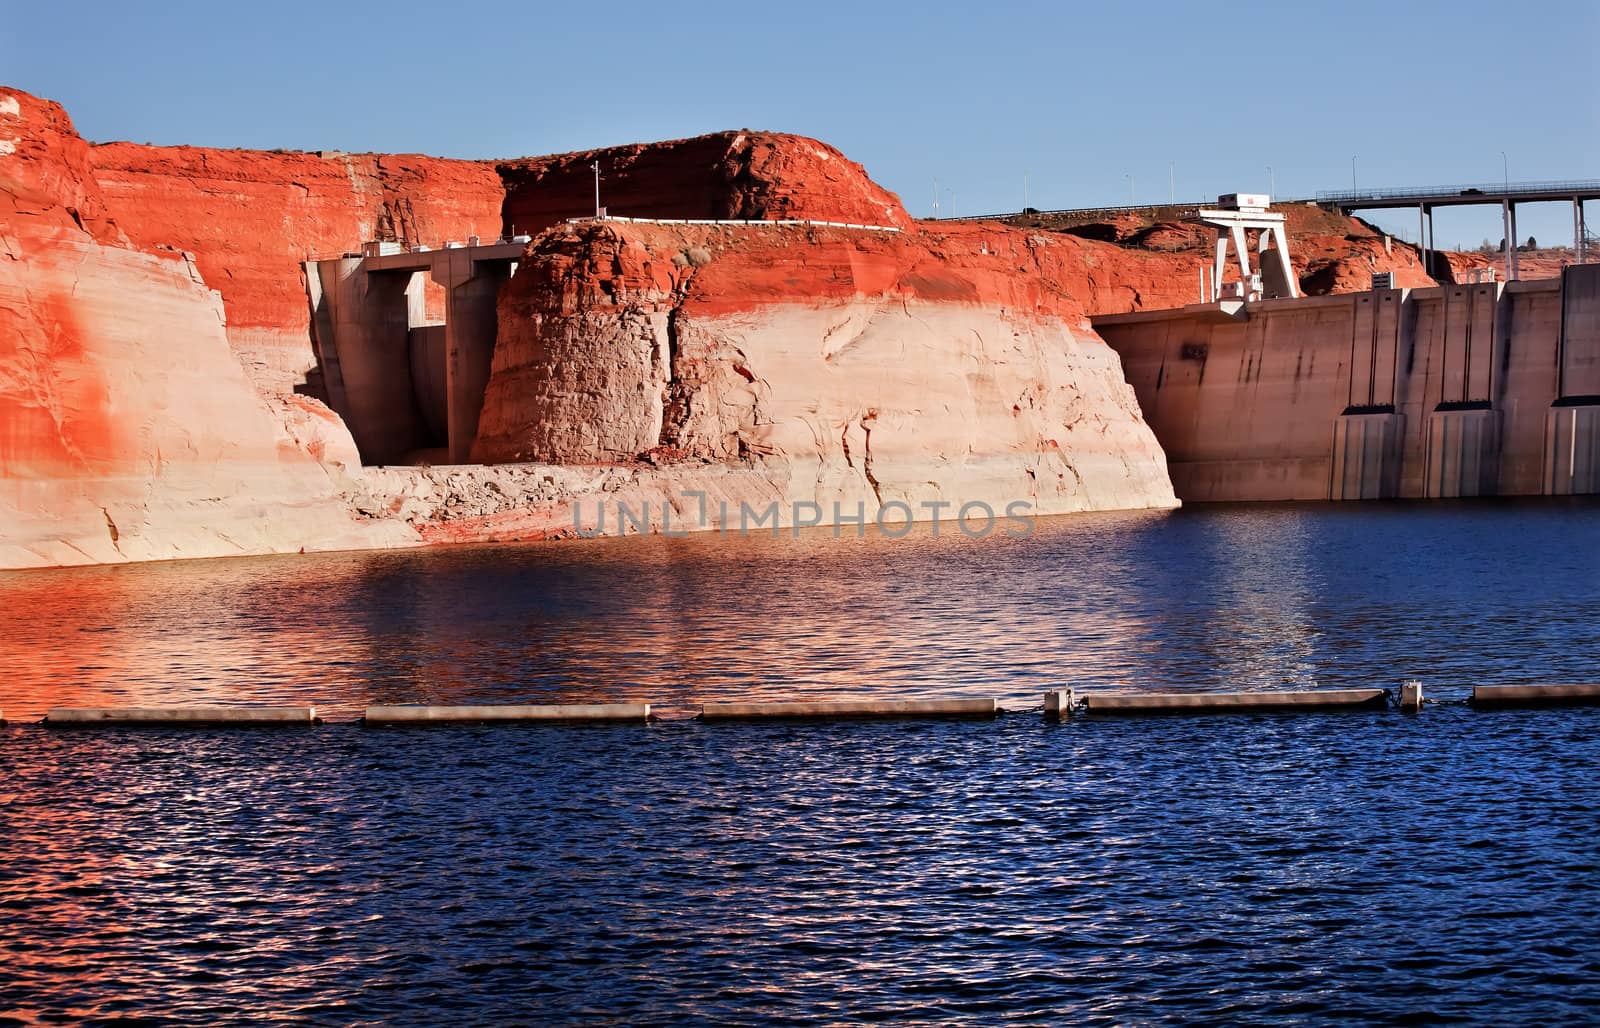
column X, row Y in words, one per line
column 97, row 717
column 1059, row 705
column 566, row 713
column 831, row 709
column 1569, row 695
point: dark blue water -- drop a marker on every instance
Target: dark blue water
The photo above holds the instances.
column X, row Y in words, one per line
column 1370, row 866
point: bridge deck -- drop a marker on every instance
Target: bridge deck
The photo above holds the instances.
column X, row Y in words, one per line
column 1462, row 195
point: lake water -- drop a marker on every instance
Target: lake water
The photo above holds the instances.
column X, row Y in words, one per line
column 1369, row 866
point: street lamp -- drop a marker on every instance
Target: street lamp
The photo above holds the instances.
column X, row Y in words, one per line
column 1129, row 177
column 1352, row 173
column 1505, row 171
column 1272, row 183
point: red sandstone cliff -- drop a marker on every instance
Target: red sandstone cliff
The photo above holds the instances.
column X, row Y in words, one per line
column 251, row 217
column 128, row 429
column 842, row 366
column 726, row 175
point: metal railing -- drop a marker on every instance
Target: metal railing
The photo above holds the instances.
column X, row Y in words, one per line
column 1562, row 189
column 1086, row 211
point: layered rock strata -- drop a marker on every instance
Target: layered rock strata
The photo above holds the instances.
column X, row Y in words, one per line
column 764, row 176
column 846, row 367
column 128, row 429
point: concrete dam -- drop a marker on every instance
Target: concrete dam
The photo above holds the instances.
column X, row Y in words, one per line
column 1488, row 389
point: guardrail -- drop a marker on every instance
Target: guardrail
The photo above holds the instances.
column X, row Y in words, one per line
column 1085, row 211
column 1561, row 188
column 733, row 221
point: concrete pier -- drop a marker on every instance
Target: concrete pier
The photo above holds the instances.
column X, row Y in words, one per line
column 1411, row 696
column 850, row 709
column 566, row 713
column 1555, row 695
column 1232, row 702
column 90, row 717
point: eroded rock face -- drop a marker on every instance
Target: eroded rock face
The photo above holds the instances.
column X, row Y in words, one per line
column 935, row 365
column 128, row 430
column 726, row 175
column 251, row 217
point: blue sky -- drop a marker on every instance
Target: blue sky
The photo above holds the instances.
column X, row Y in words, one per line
column 977, row 95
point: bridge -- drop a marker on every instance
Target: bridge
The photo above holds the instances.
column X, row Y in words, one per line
column 1575, row 191
column 1505, row 195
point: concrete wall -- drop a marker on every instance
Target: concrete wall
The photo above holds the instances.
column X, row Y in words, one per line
column 406, row 385
column 360, row 326
column 1462, row 390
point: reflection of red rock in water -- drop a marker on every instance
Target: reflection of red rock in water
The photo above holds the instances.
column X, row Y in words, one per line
column 127, row 428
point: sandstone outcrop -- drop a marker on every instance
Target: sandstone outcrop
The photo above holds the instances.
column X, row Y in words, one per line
column 848, row 366
column 128, row 430
column 765, row 176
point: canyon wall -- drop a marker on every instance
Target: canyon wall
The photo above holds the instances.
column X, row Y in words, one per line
column 128, row 429
column 1460, row 390
column 250, row 218
column 842, row 366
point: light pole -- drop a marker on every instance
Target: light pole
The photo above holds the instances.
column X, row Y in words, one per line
column 1272, row 183
column 1352, row 173
column 597, row 189
column 936, row 199
column 1505, row 171
column 1129, row 177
